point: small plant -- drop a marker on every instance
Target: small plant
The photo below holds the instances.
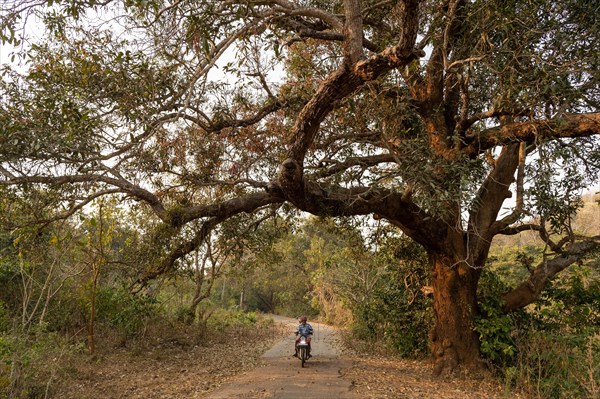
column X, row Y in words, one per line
column 493, row 325
column 495, row 332
column 30, row 363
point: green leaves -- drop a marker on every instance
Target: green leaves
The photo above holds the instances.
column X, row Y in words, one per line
column 558, row 176
column 494, row 327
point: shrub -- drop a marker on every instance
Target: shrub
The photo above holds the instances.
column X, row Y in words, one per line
column 556, row 366
column 552, row 349
column 395, row 312
column 222, row 319
column 30, row 363
column 129, row 313
column 559, row 350
column 493, row 326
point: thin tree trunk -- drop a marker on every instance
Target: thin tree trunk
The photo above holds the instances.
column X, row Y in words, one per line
column 97, row 262
column 223, row 289
column 242, row 298
column 199, row 282
column 91, row 325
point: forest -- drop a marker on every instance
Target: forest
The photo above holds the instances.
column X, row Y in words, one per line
column 422, row 173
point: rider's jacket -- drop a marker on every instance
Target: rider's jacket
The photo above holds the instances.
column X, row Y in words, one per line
column 304, row 329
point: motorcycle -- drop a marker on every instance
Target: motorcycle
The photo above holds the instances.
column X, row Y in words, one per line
column 302, row 347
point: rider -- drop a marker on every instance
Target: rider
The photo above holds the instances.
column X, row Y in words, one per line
column 303, row 329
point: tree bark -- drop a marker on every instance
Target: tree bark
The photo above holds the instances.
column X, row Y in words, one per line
column 454, row 343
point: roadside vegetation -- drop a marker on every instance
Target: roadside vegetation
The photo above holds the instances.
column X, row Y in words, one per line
column 66, row 298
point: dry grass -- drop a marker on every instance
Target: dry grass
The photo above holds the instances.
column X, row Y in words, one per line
column 178, row 363
column 385, row 377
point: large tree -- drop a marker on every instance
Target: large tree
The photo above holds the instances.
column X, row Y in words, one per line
column 421, row 113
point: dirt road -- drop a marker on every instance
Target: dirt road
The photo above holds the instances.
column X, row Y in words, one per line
column 279, row 374
column 180, row 367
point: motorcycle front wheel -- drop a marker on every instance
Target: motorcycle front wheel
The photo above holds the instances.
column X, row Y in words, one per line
column 303, row 355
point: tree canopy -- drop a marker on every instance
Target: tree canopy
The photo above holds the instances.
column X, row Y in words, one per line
column 427, row 114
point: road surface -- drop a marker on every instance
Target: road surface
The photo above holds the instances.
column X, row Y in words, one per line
column 279, row 374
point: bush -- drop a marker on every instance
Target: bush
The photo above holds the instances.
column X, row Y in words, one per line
column 495, row 328
column 558, row 366
column 552, row 349
column 31, row 363
column 222, row 319
column 129, row 313
column 559, row 350
column 395, row 313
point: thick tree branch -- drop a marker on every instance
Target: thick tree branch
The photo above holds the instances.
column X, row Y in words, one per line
column 493, row 192
column 395, row 207
column 519, row 204
column 353, row 31
column 336, row 87
column 530, row 290
column 567, row 126
column 433, row 93
column 228, row 208
column 340, row 84
column 344, row 81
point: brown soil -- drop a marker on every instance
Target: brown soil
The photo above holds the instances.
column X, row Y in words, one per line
column 187, row 367
column 381, row 377
column 184, row 365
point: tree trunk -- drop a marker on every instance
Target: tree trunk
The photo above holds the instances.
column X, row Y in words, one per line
column 92, row 322
column 454, row 343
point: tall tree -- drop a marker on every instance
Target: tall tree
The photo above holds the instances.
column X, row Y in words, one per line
column 419, row 112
